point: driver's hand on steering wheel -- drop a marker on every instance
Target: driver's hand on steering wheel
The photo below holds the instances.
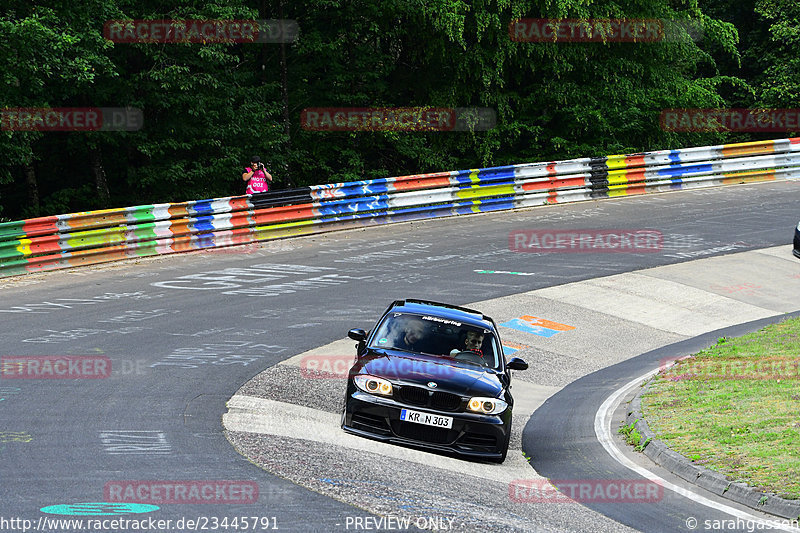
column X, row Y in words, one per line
column 456, row 351
column 472, row 356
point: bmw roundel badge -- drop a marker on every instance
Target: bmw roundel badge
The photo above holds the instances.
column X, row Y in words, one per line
column 432, row 384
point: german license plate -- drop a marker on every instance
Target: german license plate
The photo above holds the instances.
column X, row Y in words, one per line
column 407, row 415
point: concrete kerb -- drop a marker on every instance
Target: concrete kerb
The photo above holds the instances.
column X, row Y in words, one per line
column 714, row 482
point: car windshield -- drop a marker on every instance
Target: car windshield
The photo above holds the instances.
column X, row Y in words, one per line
column 438, row 336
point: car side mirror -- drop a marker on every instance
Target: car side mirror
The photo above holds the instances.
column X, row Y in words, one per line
column 517, row 364
column 361, row 336
column 357, row 335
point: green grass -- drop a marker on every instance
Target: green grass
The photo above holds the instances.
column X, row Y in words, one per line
column 633, row 437
column 735, row 408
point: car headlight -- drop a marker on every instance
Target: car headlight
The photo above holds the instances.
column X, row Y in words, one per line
column 373, row 385
column 487, row 406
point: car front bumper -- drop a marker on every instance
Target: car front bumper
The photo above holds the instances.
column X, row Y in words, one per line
column 472, row 435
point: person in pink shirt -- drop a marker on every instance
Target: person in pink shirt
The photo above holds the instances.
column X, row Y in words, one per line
column 256, row 176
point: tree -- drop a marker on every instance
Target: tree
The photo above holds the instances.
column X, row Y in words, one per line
column 780, row 83
column 208, row 107
column 50, row 57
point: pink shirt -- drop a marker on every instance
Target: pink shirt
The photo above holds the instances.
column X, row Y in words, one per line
column 258, row 183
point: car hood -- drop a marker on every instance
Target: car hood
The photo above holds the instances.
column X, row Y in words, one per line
column 419, row 369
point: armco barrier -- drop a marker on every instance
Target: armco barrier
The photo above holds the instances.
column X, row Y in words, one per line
column 64, row 241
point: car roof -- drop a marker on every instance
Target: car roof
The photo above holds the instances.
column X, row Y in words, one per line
column 452, row 312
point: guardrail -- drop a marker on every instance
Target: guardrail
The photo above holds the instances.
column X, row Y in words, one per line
column 65, row 241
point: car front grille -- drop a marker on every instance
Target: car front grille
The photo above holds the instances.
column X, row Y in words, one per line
column 417, row 396
column 445, row 401
column 413, row 395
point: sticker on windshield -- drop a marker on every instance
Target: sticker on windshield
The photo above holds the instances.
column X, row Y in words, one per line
column 383, row 341
column 441, row 320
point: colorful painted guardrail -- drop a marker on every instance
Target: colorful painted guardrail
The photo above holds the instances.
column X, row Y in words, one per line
column 64, row 241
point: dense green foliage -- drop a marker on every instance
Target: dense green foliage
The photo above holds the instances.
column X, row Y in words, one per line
column 208, row 107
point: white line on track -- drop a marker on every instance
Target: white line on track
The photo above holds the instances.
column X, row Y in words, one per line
column 602, row 428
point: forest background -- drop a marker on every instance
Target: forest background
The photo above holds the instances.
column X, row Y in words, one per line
column 207, row 107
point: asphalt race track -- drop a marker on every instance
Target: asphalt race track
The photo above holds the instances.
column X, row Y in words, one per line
column 562, row 432
column 184, row 334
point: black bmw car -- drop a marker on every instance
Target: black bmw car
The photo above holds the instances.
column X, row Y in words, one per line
column 432, row 376
column 796, row 249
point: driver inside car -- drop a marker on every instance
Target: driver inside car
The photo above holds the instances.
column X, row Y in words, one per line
column 473, row 342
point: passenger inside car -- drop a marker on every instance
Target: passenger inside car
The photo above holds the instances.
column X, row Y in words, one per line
column 409, row 335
